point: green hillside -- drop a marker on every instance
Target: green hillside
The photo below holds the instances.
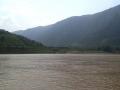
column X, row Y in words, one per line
column 11, row 43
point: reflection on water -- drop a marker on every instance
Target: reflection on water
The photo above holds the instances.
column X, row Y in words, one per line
column 60, row 72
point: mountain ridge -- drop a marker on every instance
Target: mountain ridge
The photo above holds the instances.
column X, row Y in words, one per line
column 88, row 31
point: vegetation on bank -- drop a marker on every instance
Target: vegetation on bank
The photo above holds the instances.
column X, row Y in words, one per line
column 11, row 43
column 102, row 49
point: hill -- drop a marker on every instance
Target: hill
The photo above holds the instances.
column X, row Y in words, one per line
column 100, row 30
column 11, row 43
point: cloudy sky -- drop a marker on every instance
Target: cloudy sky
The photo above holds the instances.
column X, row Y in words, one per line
column 23, row 14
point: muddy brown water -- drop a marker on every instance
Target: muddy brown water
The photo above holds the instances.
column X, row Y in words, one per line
column 60, row 72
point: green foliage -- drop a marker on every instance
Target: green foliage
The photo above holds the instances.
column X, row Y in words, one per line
column 11, row 43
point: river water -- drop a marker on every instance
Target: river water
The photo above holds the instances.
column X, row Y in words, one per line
column 59, row 72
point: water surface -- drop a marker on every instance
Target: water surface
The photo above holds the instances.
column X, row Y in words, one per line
column 60, row 72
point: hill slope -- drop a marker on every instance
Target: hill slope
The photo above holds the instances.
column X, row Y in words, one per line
column 88, row 31
column 11, row 43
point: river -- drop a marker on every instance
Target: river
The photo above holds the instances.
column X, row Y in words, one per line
column 59, row 72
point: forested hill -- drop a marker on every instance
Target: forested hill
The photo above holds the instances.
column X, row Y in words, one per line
column 11, row 43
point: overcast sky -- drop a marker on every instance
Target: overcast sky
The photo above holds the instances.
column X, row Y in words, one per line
column 23, row 14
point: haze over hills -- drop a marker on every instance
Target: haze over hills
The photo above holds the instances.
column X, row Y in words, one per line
column 89, row 31
column 11, row 43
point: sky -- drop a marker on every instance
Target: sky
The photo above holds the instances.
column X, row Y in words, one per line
column 24, row 14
